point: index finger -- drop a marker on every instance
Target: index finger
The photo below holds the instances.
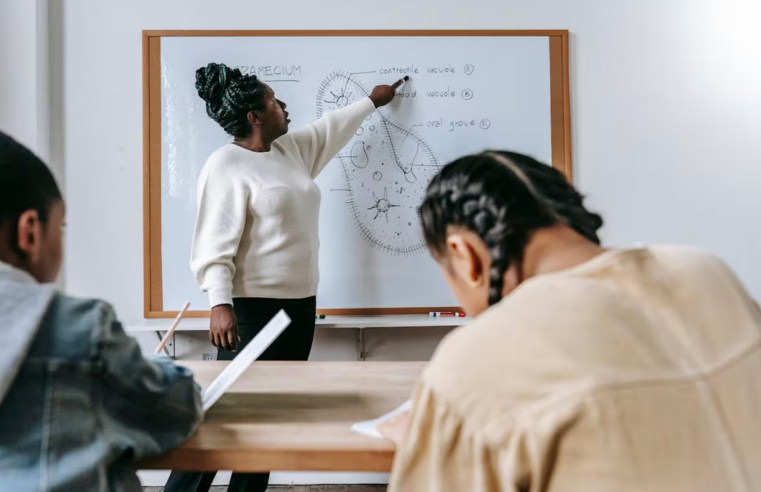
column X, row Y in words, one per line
column 231, row 336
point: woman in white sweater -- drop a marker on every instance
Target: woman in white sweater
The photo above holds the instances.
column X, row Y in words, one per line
column 255, row 246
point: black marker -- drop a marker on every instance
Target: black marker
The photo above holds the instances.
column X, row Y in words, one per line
column 399, row 82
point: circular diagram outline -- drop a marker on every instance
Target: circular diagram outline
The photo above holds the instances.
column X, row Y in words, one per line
column 385, row 123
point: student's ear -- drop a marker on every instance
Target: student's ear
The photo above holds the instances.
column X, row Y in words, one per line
column 30, row 235
column 464, row 260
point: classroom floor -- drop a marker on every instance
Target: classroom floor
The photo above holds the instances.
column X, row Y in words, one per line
column 303, row 488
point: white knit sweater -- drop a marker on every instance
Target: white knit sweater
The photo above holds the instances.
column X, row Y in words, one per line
column 256, row 232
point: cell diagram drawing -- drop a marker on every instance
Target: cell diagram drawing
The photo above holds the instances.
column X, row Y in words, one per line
column 386, row 167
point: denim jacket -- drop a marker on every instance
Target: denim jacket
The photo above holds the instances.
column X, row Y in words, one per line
column 79, row 404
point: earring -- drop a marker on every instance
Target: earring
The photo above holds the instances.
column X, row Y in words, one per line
column 477, row 282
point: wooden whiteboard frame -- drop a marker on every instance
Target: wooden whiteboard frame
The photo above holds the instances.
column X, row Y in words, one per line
column 560, row 121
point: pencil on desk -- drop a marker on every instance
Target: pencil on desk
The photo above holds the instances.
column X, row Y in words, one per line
column 172, row 329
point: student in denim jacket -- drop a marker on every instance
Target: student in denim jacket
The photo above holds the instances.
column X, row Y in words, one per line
column 79, row 405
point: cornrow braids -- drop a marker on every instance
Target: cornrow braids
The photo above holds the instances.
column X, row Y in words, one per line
column 230, row 96
column 484, row 196
column 553, row 187
column 503, row 197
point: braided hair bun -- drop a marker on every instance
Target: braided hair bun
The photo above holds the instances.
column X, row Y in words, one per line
column 230, row 96
column 212, row 80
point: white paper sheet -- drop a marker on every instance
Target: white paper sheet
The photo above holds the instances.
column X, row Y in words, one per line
column 244, row 359
column 370, row 427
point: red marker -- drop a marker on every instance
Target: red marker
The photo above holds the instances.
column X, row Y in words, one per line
column 446, row 314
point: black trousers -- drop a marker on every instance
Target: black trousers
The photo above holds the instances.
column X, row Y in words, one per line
column 294, row 343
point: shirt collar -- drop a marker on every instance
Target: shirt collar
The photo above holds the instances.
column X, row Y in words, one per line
column 7, row 270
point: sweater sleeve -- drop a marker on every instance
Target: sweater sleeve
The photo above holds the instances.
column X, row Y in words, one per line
column 319, row 142
column 222, row 208
column 442, row 453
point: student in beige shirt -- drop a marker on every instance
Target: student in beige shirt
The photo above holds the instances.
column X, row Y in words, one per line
column 585, row 369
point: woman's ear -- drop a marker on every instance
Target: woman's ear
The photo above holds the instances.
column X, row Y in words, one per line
column 255, row 118
column 466, row 263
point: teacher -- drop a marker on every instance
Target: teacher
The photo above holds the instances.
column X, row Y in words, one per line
column 255, row 245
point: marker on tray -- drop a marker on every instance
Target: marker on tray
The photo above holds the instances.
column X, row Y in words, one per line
column 319, row 316
column 446, row 314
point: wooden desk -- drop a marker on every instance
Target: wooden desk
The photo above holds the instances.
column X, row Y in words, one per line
column 296, row 416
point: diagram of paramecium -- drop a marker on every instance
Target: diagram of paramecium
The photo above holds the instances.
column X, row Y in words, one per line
column 386, row 167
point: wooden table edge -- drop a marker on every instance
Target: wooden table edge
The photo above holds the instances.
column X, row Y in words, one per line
column 251, row 461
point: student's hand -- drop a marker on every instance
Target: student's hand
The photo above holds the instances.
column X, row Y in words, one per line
column 384, row 94
column 395, row 428
column 223, row 331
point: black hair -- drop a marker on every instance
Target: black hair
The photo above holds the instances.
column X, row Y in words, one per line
column 26, row 183
column 230, row 96
column 503, row 197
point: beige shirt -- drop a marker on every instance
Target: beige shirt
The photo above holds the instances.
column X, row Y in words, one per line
column 639, row 370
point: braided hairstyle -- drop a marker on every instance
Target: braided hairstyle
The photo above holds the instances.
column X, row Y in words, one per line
column 230, row 96
column 503, row 197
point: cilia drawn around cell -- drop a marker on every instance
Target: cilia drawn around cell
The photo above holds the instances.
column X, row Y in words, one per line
column 399, row 162
column 382, row 205
column 341, row 98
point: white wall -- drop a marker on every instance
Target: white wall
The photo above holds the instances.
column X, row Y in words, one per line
column 18, row 74
column 24, row 101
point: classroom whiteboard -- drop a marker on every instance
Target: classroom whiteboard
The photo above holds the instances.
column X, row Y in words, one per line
column 466, row 93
